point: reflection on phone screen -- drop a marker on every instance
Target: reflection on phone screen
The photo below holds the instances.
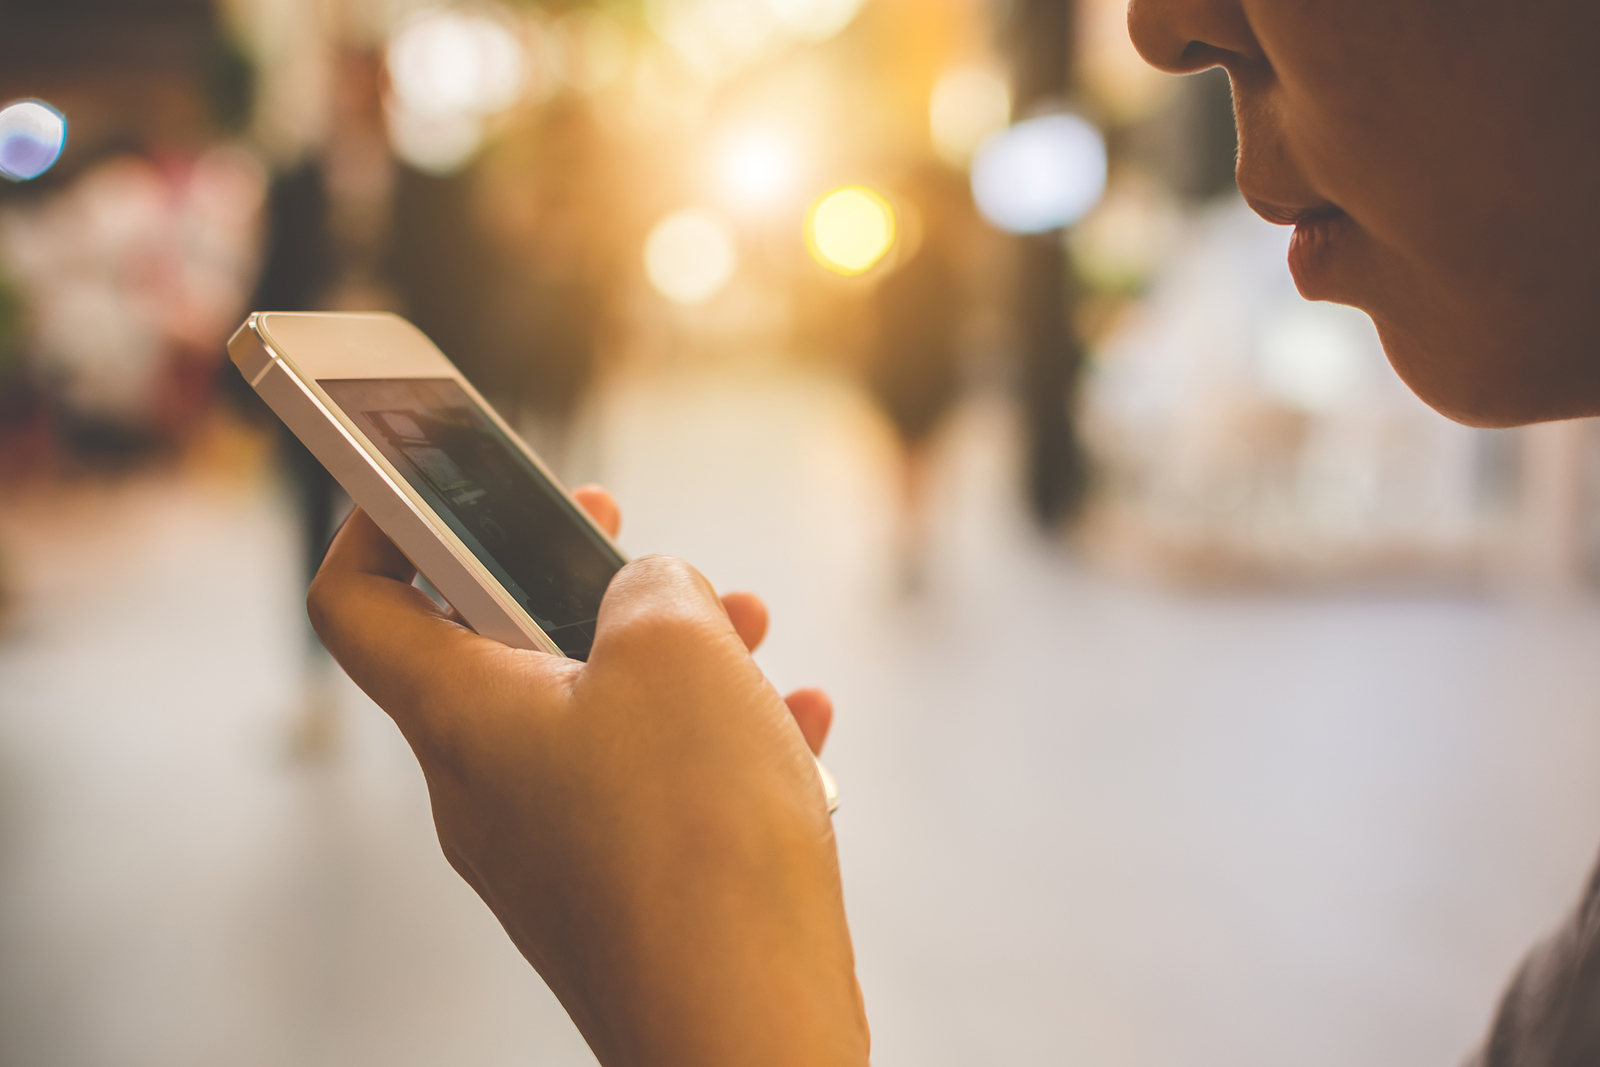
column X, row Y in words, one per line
column 504, row 509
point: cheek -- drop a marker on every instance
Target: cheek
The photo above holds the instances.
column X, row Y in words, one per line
column 1375, row 117
column 1464, row 178
column 1366, row 168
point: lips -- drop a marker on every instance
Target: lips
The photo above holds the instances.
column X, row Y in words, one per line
column 1317, row 232
column 1313, row 246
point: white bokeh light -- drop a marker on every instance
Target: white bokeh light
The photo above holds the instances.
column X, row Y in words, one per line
column 814, row 20
column 448, row 70
column 1041, row 174
column 714, row 37
column 690, row 256
column 32, row 135
column 756, row 166
column 456, row 61
column 967, row 107
column 435, row 142
column 720, row 37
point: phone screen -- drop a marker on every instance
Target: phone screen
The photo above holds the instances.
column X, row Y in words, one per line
column 504, row 509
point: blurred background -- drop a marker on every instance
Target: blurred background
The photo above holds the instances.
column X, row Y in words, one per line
column 1203, row 697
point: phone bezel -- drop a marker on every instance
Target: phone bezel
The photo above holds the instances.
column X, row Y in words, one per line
column 285, row 356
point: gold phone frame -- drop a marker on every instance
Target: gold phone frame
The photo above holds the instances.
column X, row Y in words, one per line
column 285, row 356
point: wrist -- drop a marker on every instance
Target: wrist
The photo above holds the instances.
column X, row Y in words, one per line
column 714, row 974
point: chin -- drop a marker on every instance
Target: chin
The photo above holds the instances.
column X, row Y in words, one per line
column 1486, row 383
column 1475, row 357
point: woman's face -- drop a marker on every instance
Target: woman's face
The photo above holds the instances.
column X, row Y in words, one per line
column 1441, row 161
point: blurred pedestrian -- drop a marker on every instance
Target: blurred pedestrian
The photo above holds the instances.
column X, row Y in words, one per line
column 328, row 247
column 913, row 367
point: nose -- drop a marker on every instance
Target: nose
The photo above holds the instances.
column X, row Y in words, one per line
column 1184, row 36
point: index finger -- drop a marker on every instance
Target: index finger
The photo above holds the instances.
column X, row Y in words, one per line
column 601, row 506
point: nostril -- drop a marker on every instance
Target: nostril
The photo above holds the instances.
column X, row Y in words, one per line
column 1197, row 55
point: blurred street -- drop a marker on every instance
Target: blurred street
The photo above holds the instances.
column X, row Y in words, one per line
column 1084, row 821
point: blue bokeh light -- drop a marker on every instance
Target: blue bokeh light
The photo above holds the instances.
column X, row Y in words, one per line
column 1040, row 174
column 32, row 135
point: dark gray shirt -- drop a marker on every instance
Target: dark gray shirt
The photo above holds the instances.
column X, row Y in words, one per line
column 1550, row 1015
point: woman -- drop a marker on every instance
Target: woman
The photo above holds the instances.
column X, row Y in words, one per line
column 648, row 826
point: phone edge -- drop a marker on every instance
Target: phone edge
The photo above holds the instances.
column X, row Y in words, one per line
column 384, row 494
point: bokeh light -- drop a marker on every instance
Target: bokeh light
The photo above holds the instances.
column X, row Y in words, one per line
column 968, row 106
column 448, row 70
column 32, row 135
column 690, row 256
column 1041, row 174
column 594, row 49
column 714, row 37
column 849, row 230
column 435, row 142
column 455, row 61
column 756, row 166
column 814, row 20
column 719, row 37
column 1128, row 235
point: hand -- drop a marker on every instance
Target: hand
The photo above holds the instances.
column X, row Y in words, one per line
column 812, row 708
column 648, row 826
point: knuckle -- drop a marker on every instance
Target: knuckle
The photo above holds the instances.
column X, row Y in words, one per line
column 661, row 634
column 325, row 606
column 658, row 596
column 662, row 569
column 317, row 606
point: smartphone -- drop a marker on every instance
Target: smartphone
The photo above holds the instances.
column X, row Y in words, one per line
column 440, row 472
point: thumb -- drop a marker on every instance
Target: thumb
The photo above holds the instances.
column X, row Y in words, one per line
column 660, row 593
column 664, row 638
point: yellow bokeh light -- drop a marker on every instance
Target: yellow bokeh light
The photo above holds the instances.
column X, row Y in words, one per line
column 850, row 230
